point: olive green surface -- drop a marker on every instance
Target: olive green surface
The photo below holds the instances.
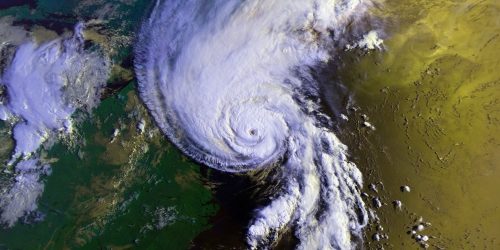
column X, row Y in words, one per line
column 433, row 97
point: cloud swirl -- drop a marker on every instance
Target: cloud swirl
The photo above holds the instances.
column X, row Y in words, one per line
column 225, row 81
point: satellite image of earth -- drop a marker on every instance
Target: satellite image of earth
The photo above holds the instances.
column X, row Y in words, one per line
column 257, row 124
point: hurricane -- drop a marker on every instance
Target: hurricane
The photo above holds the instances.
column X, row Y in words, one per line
column 231, row 84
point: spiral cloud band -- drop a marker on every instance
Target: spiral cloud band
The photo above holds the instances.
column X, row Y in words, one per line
column 225, row 81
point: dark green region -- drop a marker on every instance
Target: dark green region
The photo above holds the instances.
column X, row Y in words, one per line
column 90, row 203
column 135, row 192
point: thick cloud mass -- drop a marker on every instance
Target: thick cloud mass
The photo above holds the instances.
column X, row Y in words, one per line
column 223, row 80
column 44, row 86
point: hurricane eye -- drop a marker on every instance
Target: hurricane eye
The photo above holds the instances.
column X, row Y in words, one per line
column 253, row 132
